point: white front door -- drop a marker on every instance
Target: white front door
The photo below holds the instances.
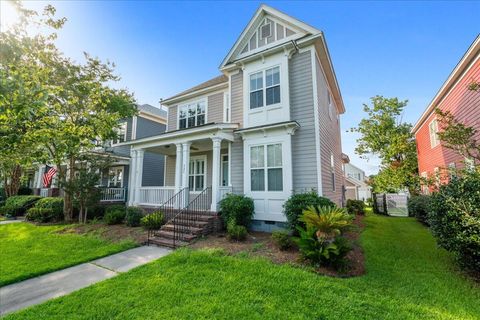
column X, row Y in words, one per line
column 197, row 174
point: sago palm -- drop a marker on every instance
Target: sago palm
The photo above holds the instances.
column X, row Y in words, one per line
column 328, row 222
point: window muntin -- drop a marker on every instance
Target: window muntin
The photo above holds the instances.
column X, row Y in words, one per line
column 433, row 129
column 192, row 115
column 266, row 168
column 269, row 94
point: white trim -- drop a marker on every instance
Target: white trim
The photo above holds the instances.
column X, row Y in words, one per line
column 317, row 122
column 152, row 117
column 134, row 128
column 227, row 108
column 205, row 172
column 194, row 94
column 221, row 169
column 434, row 140
column 229, row 163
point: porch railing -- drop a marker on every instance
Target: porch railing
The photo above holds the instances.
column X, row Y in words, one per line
column 44, row 192
column 223, row 191
column 155, row 196
column 113, row 194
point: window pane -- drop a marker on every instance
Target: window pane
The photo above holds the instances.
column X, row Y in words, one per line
column 200, row 120
column 200, row 108
column 183, row 123
column 272, row 77
column 256, row 99
column 256, row 81
column 191, row 122
column 257, row 180
column 190, row 182
column 199, row 183
column 190, row 168
column 183, row 113
column 274, row 155
column 273, row 95
column 257, row 157
column 275, row 180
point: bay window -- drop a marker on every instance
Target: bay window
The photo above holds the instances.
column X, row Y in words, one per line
column 266, row 168
column 191, row 115
column 268, row 94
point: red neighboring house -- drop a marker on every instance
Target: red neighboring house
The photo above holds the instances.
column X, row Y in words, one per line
column 434, row 160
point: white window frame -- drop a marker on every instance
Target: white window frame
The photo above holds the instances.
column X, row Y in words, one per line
column 188, row 105
column 264, row 87
column 205, row 173
column 227, row 112
column 116, row 170
column 433, row 130
column 265, row 167
column 222, row 164
column 122, row 126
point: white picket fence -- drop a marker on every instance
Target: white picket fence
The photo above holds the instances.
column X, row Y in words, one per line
column 113, row 194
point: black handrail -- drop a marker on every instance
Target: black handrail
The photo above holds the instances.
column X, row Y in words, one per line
column 191, row 214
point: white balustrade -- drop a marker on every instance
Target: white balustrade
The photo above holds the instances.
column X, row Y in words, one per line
column 155, row 195
column 113, row 195
column 44, row 192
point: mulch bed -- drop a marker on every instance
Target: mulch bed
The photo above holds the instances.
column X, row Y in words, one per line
column 260, row 244
column 113, row 233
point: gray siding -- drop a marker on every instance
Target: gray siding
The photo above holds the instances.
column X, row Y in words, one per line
column 153, row 169
column 148, row 128
column 236, row 99
column 215, row 108
column 302, row 110
column 129, row 129
column 237, row 166
column 172, row 118
column 125, row 150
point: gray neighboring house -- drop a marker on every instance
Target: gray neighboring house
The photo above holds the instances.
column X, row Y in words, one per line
column 150, row 121
column 356, row 187
column 267, row 127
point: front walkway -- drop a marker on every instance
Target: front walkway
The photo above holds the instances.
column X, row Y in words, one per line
column 11, row 221
column 56, row 284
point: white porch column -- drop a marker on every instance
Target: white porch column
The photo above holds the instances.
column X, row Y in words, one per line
column 40, row 177
column 131, row 177
column 229, row 163
column 185, row 168
column 138, row 175
column 178, row 168
column 217, row 142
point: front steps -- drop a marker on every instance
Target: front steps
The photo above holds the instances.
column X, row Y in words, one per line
column 189, row 225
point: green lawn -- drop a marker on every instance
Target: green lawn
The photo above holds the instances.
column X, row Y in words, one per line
column 27, row 250
column 408, row 278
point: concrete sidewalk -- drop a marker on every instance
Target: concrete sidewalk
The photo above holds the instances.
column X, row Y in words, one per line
column 11, row 221
column 59, row 283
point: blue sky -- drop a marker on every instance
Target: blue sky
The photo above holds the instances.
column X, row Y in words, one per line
column 402, row 49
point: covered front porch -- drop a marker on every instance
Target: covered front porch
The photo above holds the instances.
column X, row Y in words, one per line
column 198, row 161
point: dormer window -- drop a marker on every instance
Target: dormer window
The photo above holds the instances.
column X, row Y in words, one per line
column 192, row 115
column 121, row 133
column 270, row 93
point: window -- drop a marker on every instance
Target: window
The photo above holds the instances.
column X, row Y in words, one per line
column 115, row 177
column 469, row 164
column 196, row 174
column 224, row 170
column 270, row 94
column 266, row 168
column 433, row 129
column 330, row 106
column 191, row 115
column 121, row 133
column 452, row 170
column 226, row 108
column 266, row 31
column 332, row 167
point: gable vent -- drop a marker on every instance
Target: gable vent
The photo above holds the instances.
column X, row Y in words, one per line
column 266, row 31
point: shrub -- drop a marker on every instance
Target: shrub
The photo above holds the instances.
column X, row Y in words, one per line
column 24, row 191
column 44, row 215
column 236, row 232
column 114, row 215
column 237, row 208
column 152, row 221
column 355, row 207
column 455, row 219
column 133, row 216
column 18, row 205
column 115, row 207
column 54, row 203
column 282, row 239
column 419, row 207
column 295, row 205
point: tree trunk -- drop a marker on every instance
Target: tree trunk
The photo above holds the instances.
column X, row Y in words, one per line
column 85, row 216
column 12, row 184
column 67, row 198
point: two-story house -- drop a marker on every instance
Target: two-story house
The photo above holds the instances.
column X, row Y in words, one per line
column 356, row 187
column 435, row 161
column 267, row 127
column 149, row 121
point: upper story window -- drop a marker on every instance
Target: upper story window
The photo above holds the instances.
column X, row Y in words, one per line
column 191, row 115
column 121, row 133
column 330, row 106
column 433, row 129
column 268, row 94
column 226, row 107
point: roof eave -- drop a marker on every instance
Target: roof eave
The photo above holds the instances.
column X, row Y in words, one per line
column 169, row 102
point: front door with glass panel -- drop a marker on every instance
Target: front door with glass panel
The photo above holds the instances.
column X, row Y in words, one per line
column 197, row 173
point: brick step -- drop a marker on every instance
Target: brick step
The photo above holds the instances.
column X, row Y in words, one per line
column 169, row 235
column 192, row 230
column 164, row 242
column 191, row 223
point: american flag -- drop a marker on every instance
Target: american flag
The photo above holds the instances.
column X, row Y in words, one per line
column 48, row 175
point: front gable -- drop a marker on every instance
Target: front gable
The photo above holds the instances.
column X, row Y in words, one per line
column 268, row 28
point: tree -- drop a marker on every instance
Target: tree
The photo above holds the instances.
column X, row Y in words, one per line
column 474, row 86
column 458, row 136
column 384, row 134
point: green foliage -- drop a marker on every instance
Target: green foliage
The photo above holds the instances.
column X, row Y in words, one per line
column 153, row 221
column 134, row 216
column 383, row 134
column 283, row 239
column 54, row 203
column 455, row 219
column 355, row 207
column 295, row 205
column 236, row 232
column 114, row 215
column 44, row 215
column 18, row 205
column 237, row 208
column 328, row 222
column 419, row 207
column 24, row 191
